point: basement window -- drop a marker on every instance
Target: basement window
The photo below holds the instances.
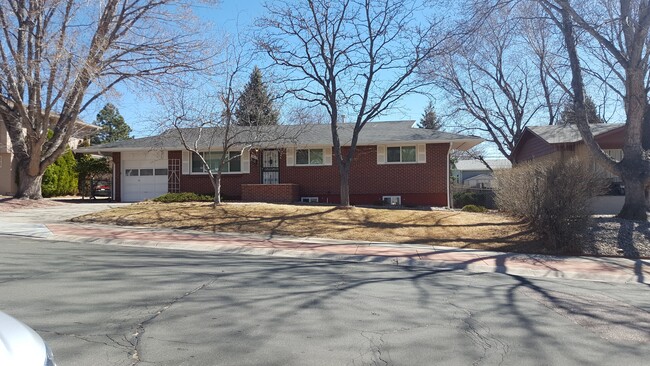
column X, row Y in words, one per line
column 392, row 200
column 309, row 199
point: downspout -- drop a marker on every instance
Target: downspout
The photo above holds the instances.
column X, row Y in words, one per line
column 447, row 178
column 113, row 183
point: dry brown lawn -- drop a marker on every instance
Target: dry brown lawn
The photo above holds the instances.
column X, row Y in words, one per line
column 489, row 231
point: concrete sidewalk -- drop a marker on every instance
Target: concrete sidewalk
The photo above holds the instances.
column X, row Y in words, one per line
column 584, row 268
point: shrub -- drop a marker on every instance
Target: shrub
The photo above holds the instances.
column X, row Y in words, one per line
column 60, row 178
column 478, row 198
column 474, row 208
column 183, row 197
column 553, row 196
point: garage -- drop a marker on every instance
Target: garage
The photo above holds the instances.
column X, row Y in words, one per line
column 144, row 175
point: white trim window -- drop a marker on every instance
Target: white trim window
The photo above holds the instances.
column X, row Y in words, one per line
column 213, row 158
column 310, row 157
column 401, row 154
column 309, row 199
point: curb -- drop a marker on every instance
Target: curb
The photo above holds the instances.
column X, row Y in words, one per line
column 480, row 261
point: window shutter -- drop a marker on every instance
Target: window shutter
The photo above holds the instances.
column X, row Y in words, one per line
column 246, row 162
column 327, row 156
column 381, row 154
column 290, row 156
column 422, row 153
column 186, row 162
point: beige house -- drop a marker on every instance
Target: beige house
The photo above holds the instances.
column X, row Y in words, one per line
column 8, row 163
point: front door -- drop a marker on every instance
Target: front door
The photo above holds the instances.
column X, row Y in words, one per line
column 270, row 167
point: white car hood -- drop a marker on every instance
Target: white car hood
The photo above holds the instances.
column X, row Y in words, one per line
column 19, row 344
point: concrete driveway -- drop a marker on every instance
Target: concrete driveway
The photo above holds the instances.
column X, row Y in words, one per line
column 31, row 221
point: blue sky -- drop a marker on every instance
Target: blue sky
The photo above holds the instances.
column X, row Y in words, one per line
column 227, row 16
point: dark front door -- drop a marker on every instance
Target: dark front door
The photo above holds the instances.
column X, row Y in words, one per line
column 270, row 167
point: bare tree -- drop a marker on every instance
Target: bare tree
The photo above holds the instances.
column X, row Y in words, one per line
column 621, row 30
column 496, row 85
column 205, row 122
column 57, row 57
column 358, row 56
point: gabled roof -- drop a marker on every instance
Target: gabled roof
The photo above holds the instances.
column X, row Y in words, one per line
column 294, row 135
column 563, row 134
column 475, row 164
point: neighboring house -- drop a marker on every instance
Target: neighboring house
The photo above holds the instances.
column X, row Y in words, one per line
column 8, row 163
column 565, row 141
column 394, row 163
column 473, row 173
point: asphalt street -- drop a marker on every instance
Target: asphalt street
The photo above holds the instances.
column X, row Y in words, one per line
column 109, row 305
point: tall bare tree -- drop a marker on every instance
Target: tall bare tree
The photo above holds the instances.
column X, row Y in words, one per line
column 497, row 80
column 57, row 57
column 621, row 30
column 353, row 57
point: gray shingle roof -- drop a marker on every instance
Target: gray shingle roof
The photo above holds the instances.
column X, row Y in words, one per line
column 293, row 135
column 562, row 134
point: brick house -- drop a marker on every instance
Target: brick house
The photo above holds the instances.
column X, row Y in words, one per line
column 394, row 163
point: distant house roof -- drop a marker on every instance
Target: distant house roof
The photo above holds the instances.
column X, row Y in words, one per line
column 297, row 135
column 481, row 177
column 563, row 134
column 475, row 164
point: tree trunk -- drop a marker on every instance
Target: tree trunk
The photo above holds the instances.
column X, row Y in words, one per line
column 216, row 183
column 635, row 207
column 29, row 187
column 344, row 172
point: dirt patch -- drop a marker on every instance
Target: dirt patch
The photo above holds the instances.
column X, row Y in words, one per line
column 11, row 204
column 617, row 237
column 445, row 227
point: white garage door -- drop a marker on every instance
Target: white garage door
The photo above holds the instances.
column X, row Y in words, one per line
column 144, row 175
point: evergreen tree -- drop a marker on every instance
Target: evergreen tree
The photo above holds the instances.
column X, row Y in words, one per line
column 568, row 115
column 113, row 126
column 60, row 178
column 255, row 104
column 429, row 118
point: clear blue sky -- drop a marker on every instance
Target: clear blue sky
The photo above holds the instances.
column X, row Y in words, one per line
column 227, row 16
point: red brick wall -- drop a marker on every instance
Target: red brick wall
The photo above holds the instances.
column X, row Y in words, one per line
column 230, row 183
column 285, row 193
column 418, row 184
column 117, row 173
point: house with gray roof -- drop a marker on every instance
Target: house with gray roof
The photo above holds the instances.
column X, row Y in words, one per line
column 564, row 142
column 473, row 173
column 394, row 163
column 554, row 141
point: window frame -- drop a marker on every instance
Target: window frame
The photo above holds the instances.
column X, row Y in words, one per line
column 401, row 154
column 309, row 157
column 399, row 200
column 204, row 172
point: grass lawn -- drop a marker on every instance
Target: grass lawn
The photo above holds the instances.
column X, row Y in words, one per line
column 488, row 231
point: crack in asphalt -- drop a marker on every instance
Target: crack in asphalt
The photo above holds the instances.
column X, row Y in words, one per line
column 139, row 330
column 481, row 335
column 375, row 349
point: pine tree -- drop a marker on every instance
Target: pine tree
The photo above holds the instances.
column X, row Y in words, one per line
column 113, row 126
column 429, row 118
column 568, row 115
column 255, row 104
